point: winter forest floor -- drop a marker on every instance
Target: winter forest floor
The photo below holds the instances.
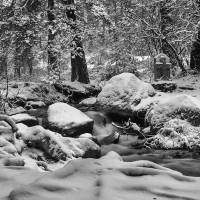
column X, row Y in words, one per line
column 190, row 85
column 110, row 177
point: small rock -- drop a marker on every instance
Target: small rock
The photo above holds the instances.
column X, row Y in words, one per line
column 147, row 131
column 164, row 86
column 86, row 135
column 110, row 139
column 34, row 104
column 25, row 119
column 186, row 87
column 135, row 128
column 103, row 129
column 17, row 110
column 89, row 101
column 14, row 85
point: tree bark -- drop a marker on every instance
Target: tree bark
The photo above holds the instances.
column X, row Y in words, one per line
column 195, row 53
column 53, row 68
column 79, row 70
column 195, row 50
column 166, row 22
column 5, row 40
column 3, row 64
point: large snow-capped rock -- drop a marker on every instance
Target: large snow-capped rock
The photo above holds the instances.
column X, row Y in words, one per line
column 176, row 134
column 122, row 93
column 175, row 121
column 68, row 120
column 56, row 146
column 184, row 107
column 42, row 149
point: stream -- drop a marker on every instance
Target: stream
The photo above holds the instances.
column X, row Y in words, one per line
column 184, row 161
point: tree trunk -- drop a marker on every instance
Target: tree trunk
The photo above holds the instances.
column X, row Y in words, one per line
column 165, row 23
column 18, row 57
column 195, row 53
column 79, row 70
column 27, row 60
column 195, row 50
column 3, row 64
column 172, row 53
column 53, row 68
column 5, row 13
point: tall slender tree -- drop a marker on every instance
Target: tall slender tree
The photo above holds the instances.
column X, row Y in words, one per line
column 166, row 23
column 6, row 11
column 79, row 70
column 53, row 68
column 195, row 50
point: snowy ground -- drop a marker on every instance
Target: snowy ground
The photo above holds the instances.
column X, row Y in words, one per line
column 191, row 84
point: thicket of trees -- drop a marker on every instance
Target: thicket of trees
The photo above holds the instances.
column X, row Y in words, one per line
column 110, row 32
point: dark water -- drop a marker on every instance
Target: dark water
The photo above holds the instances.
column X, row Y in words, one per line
column 41, row 115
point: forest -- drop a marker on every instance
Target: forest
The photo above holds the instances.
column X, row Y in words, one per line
column 107, row 37
column 99, row 99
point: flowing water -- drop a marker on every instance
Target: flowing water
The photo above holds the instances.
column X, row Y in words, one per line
column 185, row 161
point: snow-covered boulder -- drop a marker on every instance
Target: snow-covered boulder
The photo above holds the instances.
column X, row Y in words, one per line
column 25, row 119
column 56, row 146
column 24, row 92
column 7, row 147
column 122, row 93
column 86, row 135
column 34, row 104
column 68, row 120
column 77, row 90
column 180, row 106
column 89, row 102
column 176, row 134
column 17, row 110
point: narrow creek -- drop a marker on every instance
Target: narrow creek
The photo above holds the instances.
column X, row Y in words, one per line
column 184, row 161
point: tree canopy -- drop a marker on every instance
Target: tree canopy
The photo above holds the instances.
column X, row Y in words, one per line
column 37, row 34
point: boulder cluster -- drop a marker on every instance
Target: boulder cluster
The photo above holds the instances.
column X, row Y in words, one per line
column 172, row 120
column 162, row 120
column 23, row 139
